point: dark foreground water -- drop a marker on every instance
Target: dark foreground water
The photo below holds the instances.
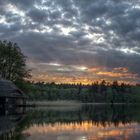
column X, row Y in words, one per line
column 88, row 122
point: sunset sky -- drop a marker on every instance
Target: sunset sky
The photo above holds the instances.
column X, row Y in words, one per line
column 75, row 41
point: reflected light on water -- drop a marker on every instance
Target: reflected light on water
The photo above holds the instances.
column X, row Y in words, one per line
column 85, row 130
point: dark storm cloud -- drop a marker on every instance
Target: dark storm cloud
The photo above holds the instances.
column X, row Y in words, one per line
column 91, row 33
column 37, row 15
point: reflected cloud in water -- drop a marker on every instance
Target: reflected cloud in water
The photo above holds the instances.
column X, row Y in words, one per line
column 85, row 130
column 88, row 122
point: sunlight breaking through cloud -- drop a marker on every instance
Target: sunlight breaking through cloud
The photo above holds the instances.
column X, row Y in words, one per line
column 70, row 33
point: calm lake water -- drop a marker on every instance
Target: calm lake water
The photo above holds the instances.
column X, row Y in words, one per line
column 88, row 122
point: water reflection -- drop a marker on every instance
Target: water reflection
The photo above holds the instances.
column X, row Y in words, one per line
column 82, row 131
column 9, row 120
column 89, row 122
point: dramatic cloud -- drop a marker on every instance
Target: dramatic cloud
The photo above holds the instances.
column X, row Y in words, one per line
column 76, row 40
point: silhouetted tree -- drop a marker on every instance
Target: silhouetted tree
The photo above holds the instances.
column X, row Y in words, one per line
column 12, row 62
column 115, row 87
column 122, row 88
column 103, row 89
column 79, row 88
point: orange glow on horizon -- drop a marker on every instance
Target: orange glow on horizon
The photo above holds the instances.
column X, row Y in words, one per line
column 115, row 74
column 73, row 80
column 85, row 75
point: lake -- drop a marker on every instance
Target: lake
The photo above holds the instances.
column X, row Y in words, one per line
column 85, row 122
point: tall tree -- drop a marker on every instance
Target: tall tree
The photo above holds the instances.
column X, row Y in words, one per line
column 12, row 62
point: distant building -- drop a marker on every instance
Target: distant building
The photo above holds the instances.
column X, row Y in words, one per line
column 10, row 95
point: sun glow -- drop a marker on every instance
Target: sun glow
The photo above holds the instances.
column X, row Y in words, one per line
column 54, row 64
column 80, row 68
column 57, row 72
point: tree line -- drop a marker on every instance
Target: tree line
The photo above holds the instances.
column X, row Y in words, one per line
column 13, row 67
column 102, row 92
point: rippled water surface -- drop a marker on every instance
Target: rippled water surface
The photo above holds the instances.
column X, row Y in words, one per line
column 88, row 122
